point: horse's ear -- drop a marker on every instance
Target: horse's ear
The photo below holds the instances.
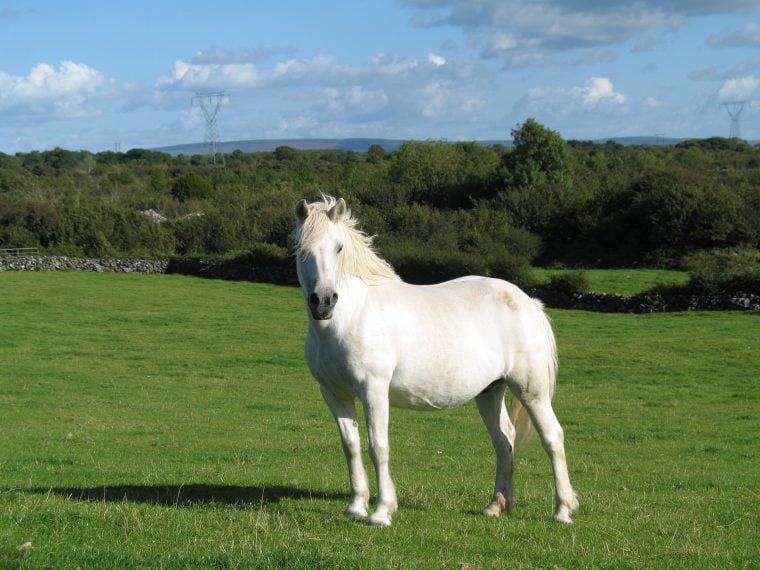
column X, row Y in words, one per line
column 302, row 210
column 337, row 212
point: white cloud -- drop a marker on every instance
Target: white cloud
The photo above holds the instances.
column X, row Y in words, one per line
column 351, row 102
column 245, row 72
column 391, row 65
column 652, row 103
column 67, row 91
column 433, row 101
column 214, row 73
column 527, row 31
column 437, row 60
column 186, row 75
column 597, row 90
column 324, row 96
column 739, row 89
column 594, row 93
column 501, row 43
column 218, row 74
column 297, row 125
column 191, row 119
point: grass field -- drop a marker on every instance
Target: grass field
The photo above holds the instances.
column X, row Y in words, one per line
column 170, row 422
column 619, row 281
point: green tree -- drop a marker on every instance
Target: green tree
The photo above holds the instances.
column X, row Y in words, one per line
column 539, row 155
column 191, row 185
column 444, row 174
column 375, row 154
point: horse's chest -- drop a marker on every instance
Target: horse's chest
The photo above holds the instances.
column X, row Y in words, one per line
column 339, row 365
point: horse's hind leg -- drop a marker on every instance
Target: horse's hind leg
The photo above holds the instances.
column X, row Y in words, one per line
column 494, row 413
column 553, row 440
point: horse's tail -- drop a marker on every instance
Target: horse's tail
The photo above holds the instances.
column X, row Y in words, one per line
column 524, row 429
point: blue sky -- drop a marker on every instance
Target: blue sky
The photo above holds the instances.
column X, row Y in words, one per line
column 91, row 74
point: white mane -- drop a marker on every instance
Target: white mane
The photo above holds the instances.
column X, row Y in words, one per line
column 358, row 258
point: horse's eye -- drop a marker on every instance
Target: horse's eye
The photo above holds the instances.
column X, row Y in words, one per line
column 340, row 248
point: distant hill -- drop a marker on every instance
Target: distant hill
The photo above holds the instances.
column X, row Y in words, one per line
column 361, row 145
column 268, row 145
column 639, row 141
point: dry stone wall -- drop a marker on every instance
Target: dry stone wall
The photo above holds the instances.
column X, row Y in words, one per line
column 647, row 302
column 63, row 263
column 231, row 270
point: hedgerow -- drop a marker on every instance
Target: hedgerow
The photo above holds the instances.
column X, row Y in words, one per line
column 439, row 209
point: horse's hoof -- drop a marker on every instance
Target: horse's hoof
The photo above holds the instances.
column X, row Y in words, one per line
column 492, row 511
column 498, row 506
column 356, row 512
column 565, row 509
column 380, row 520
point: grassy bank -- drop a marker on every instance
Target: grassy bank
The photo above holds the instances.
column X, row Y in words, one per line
column 171, row 422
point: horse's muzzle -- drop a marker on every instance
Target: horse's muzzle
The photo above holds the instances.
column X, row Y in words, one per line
column 322, row 306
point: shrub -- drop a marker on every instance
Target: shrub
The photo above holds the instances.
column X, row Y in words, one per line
column 569, row 283
column 267, row 255
column 510, row 267
column 190, row 186
column 17, row 236
column 416, row 264
column 723, row 270
column 376, row 154
column 422, row 265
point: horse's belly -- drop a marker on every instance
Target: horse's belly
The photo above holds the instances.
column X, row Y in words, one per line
column 403, row 397
column 444, row 383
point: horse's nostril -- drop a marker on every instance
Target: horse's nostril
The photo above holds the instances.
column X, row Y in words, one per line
column 334, row 298
column 314, row 300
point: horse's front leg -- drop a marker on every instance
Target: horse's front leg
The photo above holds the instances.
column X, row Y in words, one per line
column 344, row 411
column 376, row 411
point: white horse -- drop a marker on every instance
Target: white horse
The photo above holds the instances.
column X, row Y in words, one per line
column 422, row 347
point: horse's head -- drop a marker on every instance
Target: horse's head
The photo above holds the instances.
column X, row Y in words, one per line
column 319, row 243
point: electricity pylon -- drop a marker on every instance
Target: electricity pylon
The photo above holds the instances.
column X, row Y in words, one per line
column 210, row 103
column 734, row 109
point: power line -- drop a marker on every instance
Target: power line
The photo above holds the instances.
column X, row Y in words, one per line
column 210, row 103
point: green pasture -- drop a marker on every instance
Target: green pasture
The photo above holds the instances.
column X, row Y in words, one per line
column 618, row 281
column 171, row 422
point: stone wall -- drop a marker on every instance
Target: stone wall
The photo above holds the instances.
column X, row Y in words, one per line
column 646, row 302
column 235, row 271
column 63, row 263
column 286, row 275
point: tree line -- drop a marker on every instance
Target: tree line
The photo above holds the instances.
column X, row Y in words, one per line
column 439, row 209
